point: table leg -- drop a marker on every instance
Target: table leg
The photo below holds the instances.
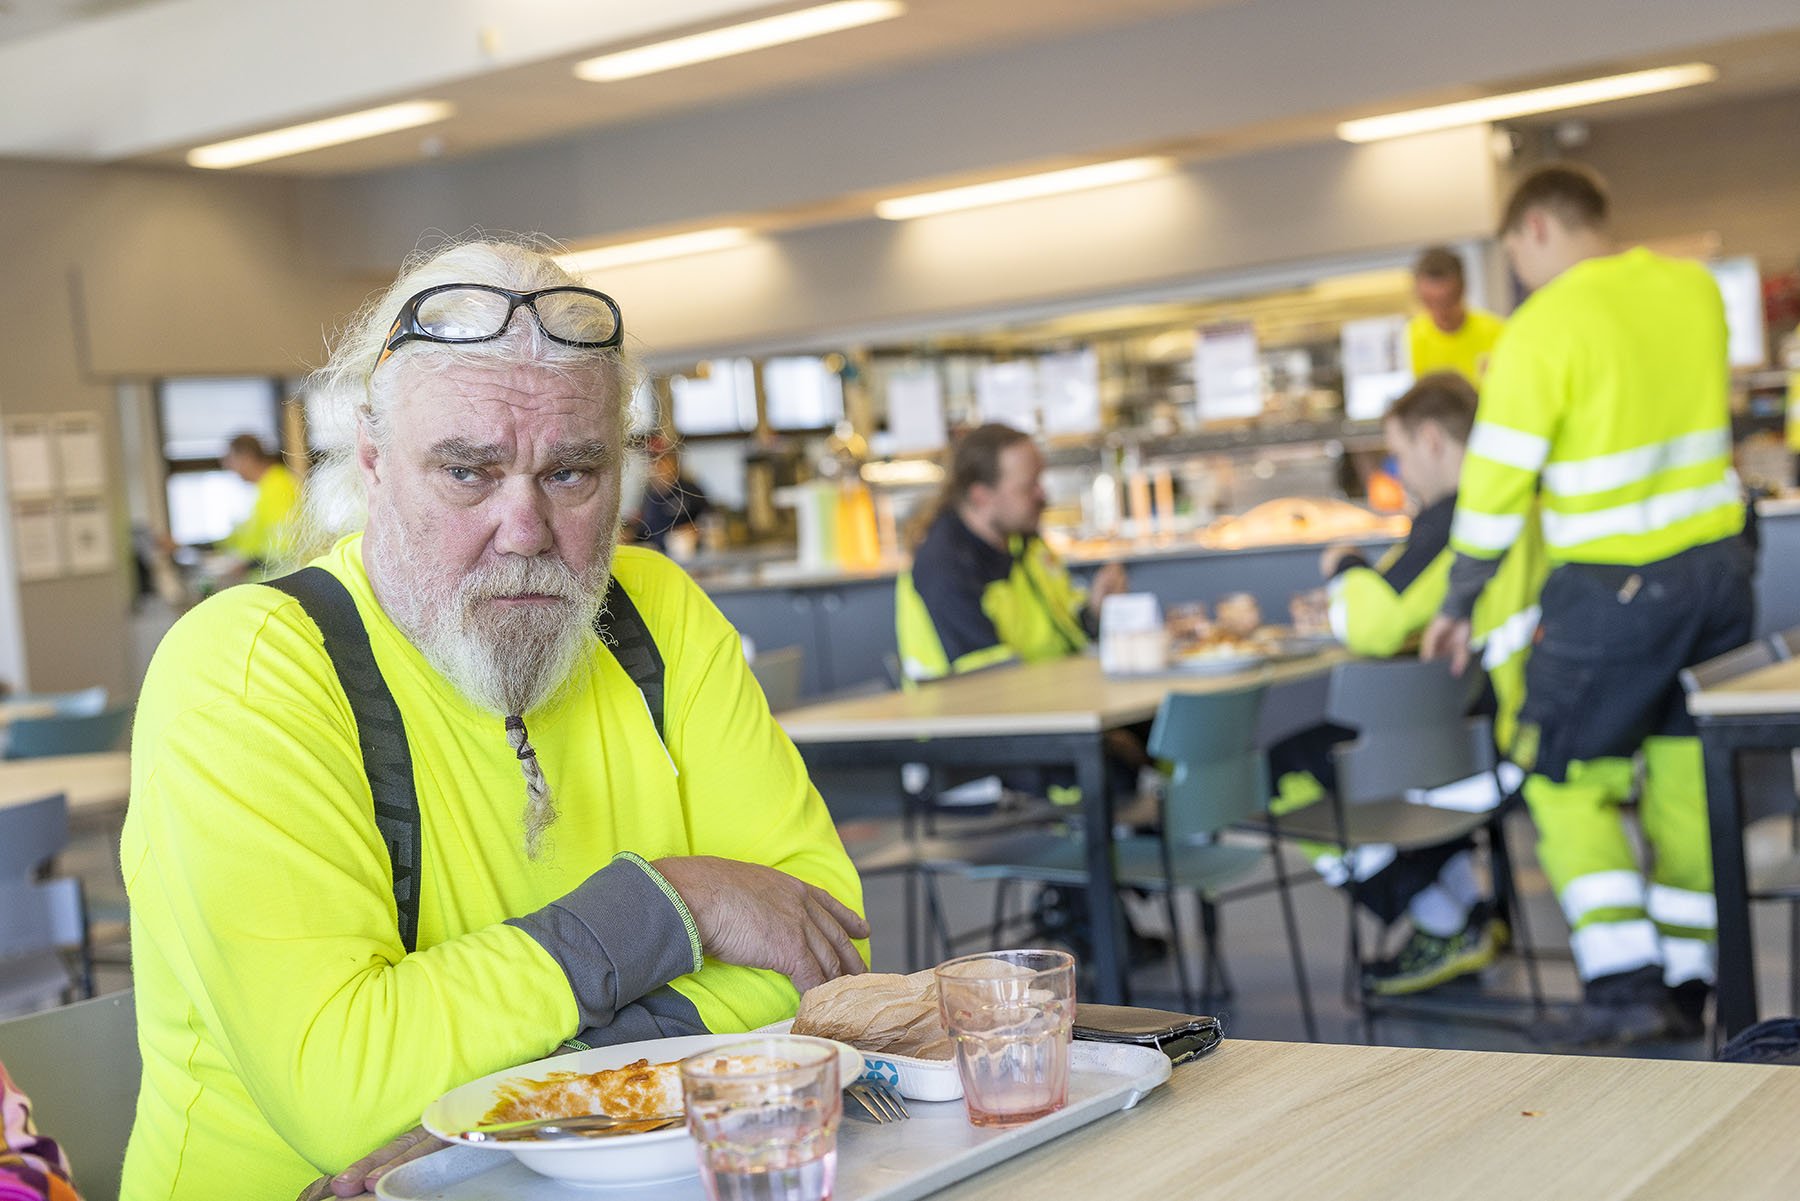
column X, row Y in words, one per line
column 1108, row 919
column 1737, row 964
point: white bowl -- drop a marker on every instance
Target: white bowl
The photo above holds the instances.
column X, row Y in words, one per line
column 623, row 1161
column 915, row 1079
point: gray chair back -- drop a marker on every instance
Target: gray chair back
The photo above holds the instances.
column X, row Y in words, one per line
column 1412, row 724
column 1786, row 643
column 779, row 672
column 1727, row 666
column 46, row 916
column 37, row 737
column 1219, row 774
column 80, row 1066
column 30, row 835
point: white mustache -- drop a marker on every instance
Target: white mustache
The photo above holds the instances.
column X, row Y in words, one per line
column 521, row 576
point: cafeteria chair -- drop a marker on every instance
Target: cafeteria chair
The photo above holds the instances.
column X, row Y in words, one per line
column 80, row 1066
column 778, row 673
column 32, row 835
column 1218, row 780
column 38, row 737
column 1731, row 664
column 1768, row 787
column 43, row 929
column 1412, row 733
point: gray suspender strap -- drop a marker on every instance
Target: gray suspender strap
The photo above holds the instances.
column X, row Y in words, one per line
column 381, row 734
column 622, row 628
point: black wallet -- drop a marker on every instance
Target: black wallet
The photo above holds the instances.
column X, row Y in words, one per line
column 1180, row 1036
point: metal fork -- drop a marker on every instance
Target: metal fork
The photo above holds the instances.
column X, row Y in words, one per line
column 879, row 1100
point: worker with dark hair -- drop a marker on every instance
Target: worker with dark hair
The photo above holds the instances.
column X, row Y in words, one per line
column 1606, row 414
column 1448, row 335
column 265, row 538
column 1379, row 610
column 984, row 589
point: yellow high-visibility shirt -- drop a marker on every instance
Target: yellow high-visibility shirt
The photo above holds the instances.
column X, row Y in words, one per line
column 1465, row 351
column 1379, row 611
column 1609, row 397
column 266, row 536
column 285, row 1030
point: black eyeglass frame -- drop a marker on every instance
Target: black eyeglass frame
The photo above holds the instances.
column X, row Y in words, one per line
column 406, row 327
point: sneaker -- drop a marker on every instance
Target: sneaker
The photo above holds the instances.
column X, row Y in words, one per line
column 1427, row 960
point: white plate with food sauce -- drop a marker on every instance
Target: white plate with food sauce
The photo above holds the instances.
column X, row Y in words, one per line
column 630, row 1080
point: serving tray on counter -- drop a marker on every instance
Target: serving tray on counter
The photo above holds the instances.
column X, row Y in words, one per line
column 898, row 1161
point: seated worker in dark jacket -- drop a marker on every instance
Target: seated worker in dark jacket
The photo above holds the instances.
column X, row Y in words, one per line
column 984, row 589
column 1380, row 610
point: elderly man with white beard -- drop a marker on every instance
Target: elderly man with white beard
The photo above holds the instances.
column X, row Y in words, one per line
column 474, row 783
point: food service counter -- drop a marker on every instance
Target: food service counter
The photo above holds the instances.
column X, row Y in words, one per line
column 844, row 621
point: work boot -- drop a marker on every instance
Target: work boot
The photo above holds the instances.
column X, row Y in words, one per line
column 1619, row 1010
column 1426, row 960
column 1689, row 1000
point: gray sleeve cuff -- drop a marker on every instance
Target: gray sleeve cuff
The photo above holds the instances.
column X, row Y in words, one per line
column 620, row 934
column 1468, row 576
column 663, row 1013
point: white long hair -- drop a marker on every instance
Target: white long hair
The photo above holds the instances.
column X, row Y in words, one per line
column 345, row 392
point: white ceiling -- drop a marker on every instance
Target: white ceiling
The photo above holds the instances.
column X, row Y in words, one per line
column 27, row 18
column 146, row 80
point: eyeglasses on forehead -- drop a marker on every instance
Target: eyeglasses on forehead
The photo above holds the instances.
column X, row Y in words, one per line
column 457, row 314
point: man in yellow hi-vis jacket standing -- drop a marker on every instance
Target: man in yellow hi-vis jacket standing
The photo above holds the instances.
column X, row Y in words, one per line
column 1606, row 404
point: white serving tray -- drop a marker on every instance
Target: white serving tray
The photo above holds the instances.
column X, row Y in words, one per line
column 899, row 1161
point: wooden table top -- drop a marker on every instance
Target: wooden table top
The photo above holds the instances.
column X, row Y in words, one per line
column 1767, row 690
column 92, row 782
column 1255, row 1121
column 1063, row 696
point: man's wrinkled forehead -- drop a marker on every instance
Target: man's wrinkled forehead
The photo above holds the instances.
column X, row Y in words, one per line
column 432, row 392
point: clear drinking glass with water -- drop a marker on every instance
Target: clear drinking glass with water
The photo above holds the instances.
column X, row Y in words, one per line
column 764, row 1114
column 1009, row 1014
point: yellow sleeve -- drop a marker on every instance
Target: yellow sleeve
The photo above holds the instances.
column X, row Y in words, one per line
column 747, row 796
column 255, row 867
column 1521, row 406
column 1372, row 619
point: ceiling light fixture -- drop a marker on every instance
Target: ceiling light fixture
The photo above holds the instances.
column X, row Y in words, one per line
column 1524, row 104
column 1024, row 187
column 316, row 135
column 583, row 262
column 737, row 39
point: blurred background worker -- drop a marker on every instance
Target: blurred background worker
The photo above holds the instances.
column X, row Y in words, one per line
column 1448, row 335
column 264, row 538
column 1607, row 402
column 672, row 503
column 984, row 589
column 1380, row 610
